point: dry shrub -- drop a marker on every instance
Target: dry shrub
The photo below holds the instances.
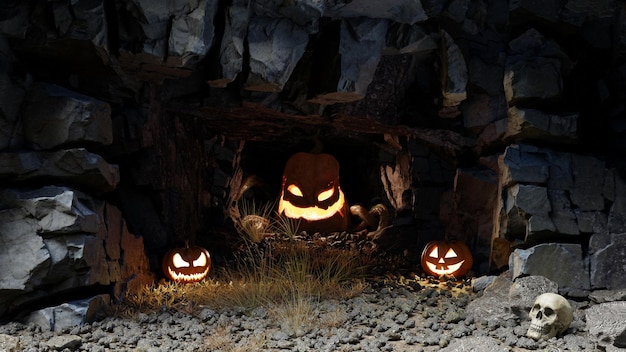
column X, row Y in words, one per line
column 289, row 276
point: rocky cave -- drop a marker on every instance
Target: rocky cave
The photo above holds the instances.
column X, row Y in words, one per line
column 128, row 127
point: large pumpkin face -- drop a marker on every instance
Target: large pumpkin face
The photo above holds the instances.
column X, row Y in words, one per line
column 187, row 264
column 311, row 193
column 446, row 258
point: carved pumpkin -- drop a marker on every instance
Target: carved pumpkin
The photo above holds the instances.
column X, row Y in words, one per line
column 311, row 193
column 451, row 258
column 187, row 264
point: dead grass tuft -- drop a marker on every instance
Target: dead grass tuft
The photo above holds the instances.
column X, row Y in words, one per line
column 287, row 277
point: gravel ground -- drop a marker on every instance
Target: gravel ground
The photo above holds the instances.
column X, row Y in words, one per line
column 384, row 318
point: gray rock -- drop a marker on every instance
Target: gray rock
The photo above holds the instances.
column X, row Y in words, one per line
column 83, row 20
column 69, row 315
column 402, row 11
column 9, row 343
column 561, row 263
column 525, row 82
column 454, row 78
column 617, row 213
column 493, row 307
column 62, row 342
column 603, row 296
column 607, row 257
column 606, row 321
column 525, row 290
column 523, row 164
column 72, row 166
column 534, row 69
column 54, row 116
column 191, row 34
column 475, row 343
column 538, row 125
column 276, row 46
column 361, row 41
column 480, row 283
column 12, row 92
column 589, row 175
column 232, row 47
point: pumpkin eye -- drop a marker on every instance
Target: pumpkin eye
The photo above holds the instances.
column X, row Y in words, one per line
column 450, row 254
column 325, row 195
column 434, row 253
column 201, row 261
column 179, row 262
column 295, row 190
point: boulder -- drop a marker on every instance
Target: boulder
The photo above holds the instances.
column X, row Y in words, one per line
column 361, row 41
column 607, row 257
column 54, row 116
column 534, row 71
column 56, row 239
column 70, row 166
column 606, row 322
column 531, row 124
column 549, row 194
column 232, row 48
column 192, row 32
column 525, row 290
column 560, row 262
column 70, row 314
column 276, row 46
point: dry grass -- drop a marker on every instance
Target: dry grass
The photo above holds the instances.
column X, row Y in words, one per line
column 289, row 278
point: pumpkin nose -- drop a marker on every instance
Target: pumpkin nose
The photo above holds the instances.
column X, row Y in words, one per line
column 441, row 261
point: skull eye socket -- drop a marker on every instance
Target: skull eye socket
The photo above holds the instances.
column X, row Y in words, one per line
column 450, row 254
column 295, row 190
column 179, row 262
column 201, row 261
column 536, row 307
column 548, row 312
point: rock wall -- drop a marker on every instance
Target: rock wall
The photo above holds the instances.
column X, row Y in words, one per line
column 497, row 123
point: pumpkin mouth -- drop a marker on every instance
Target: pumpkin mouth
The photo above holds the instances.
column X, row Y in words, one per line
column 188, row 277
column 441, row 271
column 313, row 213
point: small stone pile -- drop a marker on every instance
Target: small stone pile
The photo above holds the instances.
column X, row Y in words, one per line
column 400, row 314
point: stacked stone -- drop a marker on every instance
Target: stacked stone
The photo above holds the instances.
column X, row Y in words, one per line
column 58, row 236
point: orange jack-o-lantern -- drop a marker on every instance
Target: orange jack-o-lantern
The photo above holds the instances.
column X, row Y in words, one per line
column 187, row 264
column 311, row 193
column 451, row 258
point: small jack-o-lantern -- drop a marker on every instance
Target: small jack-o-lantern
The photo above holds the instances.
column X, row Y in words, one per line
column 446, row 258
column 311, row 193
column 187, row 264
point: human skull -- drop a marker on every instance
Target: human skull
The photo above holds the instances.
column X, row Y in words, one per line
column 550, row 316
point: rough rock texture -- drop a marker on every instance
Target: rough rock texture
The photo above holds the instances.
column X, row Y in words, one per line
column 501, row 124
column 561, row 263
column 54, row 116
column 607, row 261
column 70, row 166
column 56, row 239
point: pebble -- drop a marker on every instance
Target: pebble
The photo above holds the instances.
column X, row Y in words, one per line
column 380, row 319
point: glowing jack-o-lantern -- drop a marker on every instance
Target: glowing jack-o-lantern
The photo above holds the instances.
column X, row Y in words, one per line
column 311, row 193
column 187, row 264
column 451, row 258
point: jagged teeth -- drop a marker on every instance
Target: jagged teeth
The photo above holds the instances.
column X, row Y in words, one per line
column 188, row 277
